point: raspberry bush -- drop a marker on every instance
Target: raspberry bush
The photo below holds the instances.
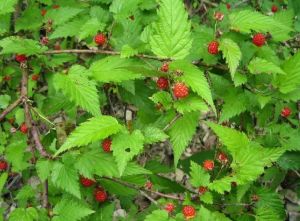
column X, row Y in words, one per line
column 155, row 110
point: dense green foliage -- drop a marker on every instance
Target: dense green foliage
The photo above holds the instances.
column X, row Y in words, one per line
column 103, row 103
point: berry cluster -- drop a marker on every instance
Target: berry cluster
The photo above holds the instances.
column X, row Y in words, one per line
column 106, row 145
column 100, row 39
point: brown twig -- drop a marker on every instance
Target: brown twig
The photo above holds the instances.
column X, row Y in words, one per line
column 172, row 122
column 10, row 108
column 45, row 195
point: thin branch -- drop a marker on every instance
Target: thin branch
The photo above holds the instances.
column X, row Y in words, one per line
column 45, row 195
column 10, row 108
column 172, row 122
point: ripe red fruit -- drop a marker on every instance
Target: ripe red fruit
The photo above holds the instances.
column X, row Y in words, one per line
column 228, row 6
column 23, row 128
column 219, row 16
column 100, row 195
column 55, row 6
column 43, row 12
column 286, row 112
column 162, row 83
column 6, row 78
column 202, row 190
column 148, row 185
column 222, row 158
column 44, row 40
column 208, row 165
column 57, row 47
column 259, row 39
column 180, row 90
column 21, row 58
column 164, row 67
column 274, row 8
column 35, row 77
column 213, row 47
column 100, row 39
column 3, row 165
column 106, row 144
column 169, row 207
column 189, row 212
column 86, row 182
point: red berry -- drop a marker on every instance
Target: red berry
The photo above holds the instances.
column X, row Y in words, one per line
column 180, row 90
column 35, row 77
column 55, row 6
column 3, row 165
column 44, row 40
column 100, row 39
column 6, row 78
column 222, row 158
column 23, row 128
column 259, row 39
column 213, row 47
column 43, row 12
column 100, row 195
column 162, row 83
column 164, row 67
column 87, row 182
column 106, row 144
column 286, row 112
column 21, row 58
column 255, row 198
column 208, row 165
column 219, row 16
column 202, row 190
column 228, row 6
column 148, row 185
column 169, row 207
column 189, row 212
column 274, row 8
column 57, row 47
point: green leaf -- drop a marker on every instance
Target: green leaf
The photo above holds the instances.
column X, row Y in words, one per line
column 71, row 209
column 65, row 177
column 207, row 198
column 5, row 23
column 94, row 129
column 194, row 78
column 232, row 139
column 199, row 177
column 4, row 101
column 17, row 45
column 69, row 29
column 62, row 15
column 291, row 81
column 207, row 215
column 125, row 146
column 31, row 19
column 79, row 89
column 231, row 53
column 113, row 69
column 181, row 133
column 171, row 37
column 43, row 168
column 189, row 104
column 128, row 51
column 162, row 97
column 266, row 214
column 154, row 134
column 259, row 65
column 158, row 215
column 15, row 154
column 22, row 214
column 3, row 179
column 90, row 28
column 242, row 21
column 239, row 79
column 222, row 185
column 7, row 6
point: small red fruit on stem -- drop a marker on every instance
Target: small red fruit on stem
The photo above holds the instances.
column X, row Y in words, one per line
column 106, row 144
column 6, row 78
column 255, row 198
column 222, row 158
column 164, row 67
column 189, row 212
column 86, row 182
column 274, row 8
column 180, row 90
column 100, row 195
column 100, row 39
column 208, row 165
column 148, row 185
column 202, row 190
column 286, row 112
column 162, row 83
column 3, row 165
column 21, row 58
column 43, row 12
column 23, row 128
column 44, row 40
column 169, row 207
column 35, row 77
column 55, row 6
column 219, row 16
column 259, row 39
column 228, row 6
column 213, row 47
